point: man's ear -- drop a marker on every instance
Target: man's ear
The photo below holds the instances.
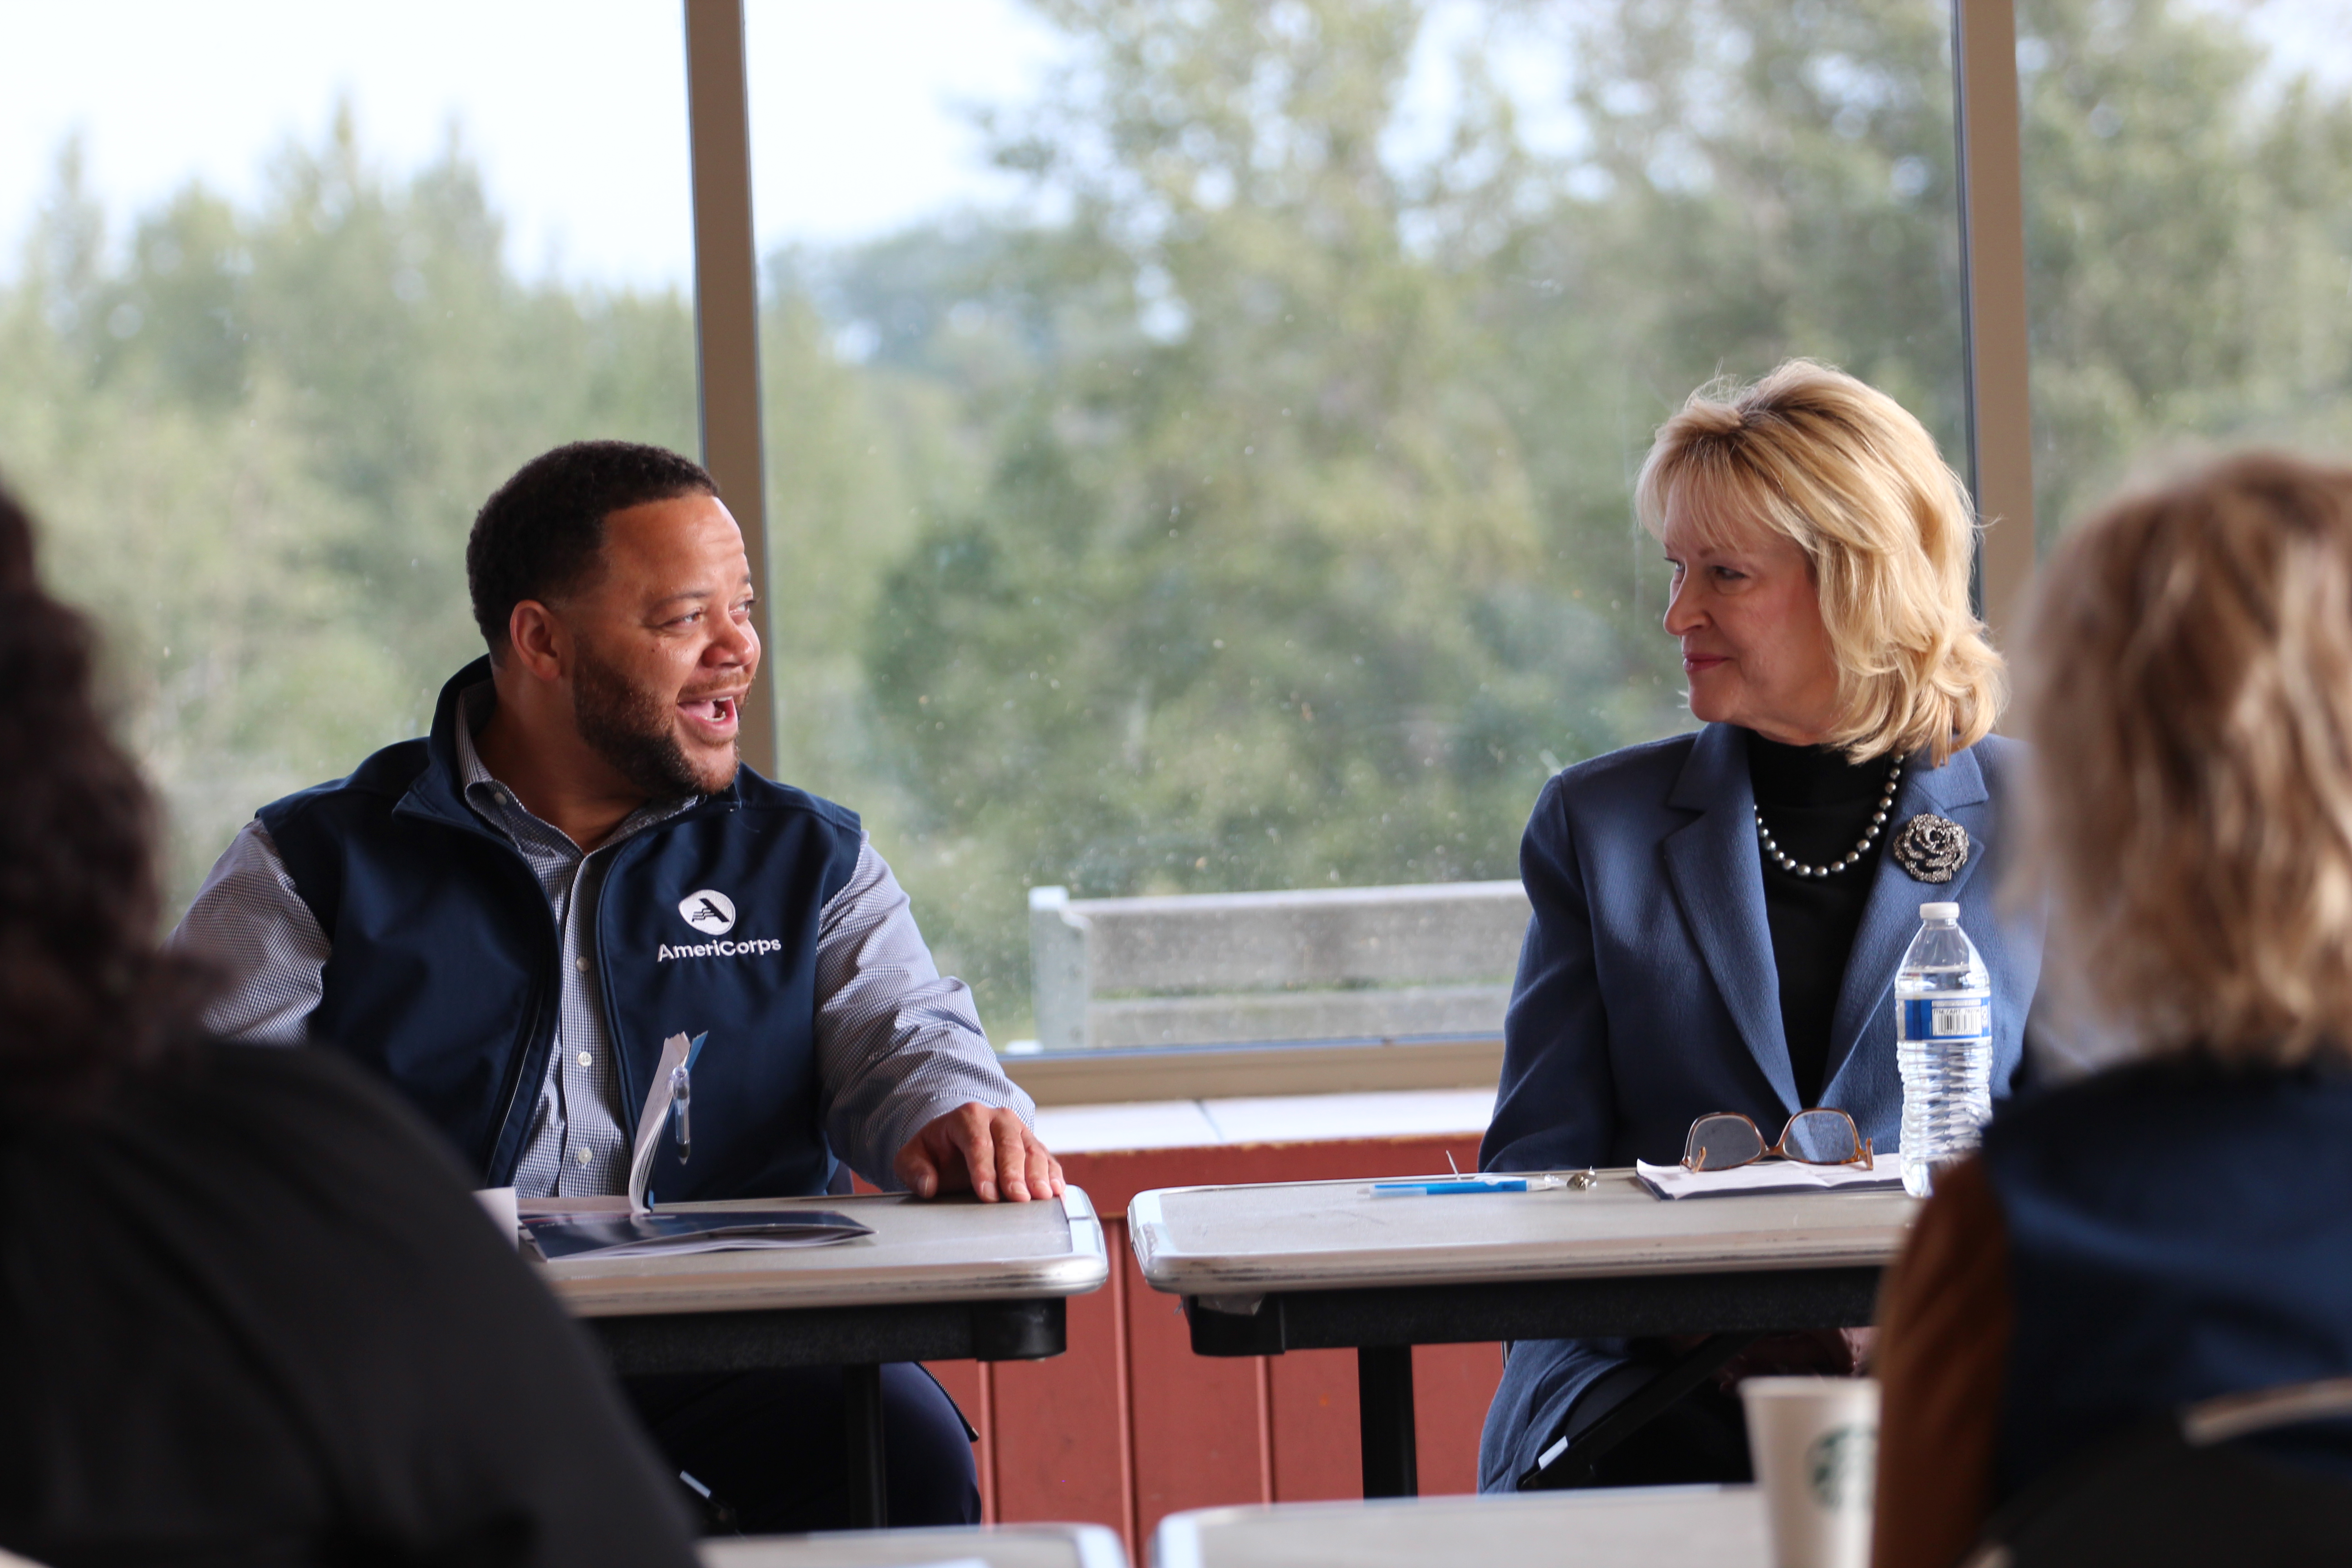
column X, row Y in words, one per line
column 538, row 642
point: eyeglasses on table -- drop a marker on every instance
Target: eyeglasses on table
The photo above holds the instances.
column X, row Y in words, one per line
column 1726, row 1140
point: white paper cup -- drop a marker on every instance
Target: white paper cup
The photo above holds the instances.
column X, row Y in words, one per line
column 499, row 1202
column 1815, row 1443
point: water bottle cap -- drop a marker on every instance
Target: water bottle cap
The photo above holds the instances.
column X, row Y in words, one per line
column 1940, row 912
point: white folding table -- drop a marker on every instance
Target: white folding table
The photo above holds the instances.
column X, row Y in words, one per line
column 943, row 1280
column 1324, row 1264
column 1633, row 1527
column 998, row 1546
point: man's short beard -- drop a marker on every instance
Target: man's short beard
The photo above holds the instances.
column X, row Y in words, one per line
column 631, row 729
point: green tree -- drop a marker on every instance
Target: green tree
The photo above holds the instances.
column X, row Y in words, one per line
column 1756, row 180
column 1238, row 606
column 1308, row 554
column 2189, row 223
column 1306, row 548
column 258, row 440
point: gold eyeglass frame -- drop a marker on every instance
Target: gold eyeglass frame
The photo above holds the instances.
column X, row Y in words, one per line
column 1866, row 1158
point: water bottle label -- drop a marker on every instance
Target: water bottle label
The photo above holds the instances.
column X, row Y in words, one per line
column 1947, row 1018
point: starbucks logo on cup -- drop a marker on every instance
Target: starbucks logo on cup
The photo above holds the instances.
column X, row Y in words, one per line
column 1840, row 1465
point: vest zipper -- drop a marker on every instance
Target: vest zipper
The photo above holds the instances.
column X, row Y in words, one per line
column 521, row 1073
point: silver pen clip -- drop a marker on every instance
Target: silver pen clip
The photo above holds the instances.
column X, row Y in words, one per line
column 681, row 1106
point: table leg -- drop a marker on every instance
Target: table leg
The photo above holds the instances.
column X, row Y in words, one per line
column 1384, row 1401
column 861, row 1400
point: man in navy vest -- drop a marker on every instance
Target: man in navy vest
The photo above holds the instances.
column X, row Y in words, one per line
column 506, row 918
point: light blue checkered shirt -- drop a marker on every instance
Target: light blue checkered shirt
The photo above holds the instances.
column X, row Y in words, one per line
column 897, row 1042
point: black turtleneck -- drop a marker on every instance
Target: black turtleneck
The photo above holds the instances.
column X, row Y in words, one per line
column 1818, row 806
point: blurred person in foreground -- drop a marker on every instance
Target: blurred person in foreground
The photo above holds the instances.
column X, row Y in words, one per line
column 250, row 1312
column 507, row 917
column 2173, row 1226
column 1718, row 916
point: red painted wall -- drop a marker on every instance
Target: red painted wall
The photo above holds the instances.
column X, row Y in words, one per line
column 1128, row 1425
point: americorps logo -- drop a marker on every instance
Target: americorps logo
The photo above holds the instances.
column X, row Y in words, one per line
column 712, row 912
column 708, row 911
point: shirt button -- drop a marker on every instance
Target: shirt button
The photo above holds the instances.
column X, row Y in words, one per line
column 580, row 1156
column 498, row 797
column 586, row 1059
column 581, row 963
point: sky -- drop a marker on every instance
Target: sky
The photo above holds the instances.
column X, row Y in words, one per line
column 575, row 110
column 857, row 124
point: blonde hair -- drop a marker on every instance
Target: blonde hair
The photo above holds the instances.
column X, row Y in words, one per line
column 2189, row 692
column 1844, row 472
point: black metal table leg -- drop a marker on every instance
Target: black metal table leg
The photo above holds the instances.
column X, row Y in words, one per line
column 861, row 1405
column 1384, row 1398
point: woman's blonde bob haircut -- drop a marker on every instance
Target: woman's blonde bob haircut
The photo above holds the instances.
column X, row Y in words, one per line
column 2188, row 689
column 1844, row 470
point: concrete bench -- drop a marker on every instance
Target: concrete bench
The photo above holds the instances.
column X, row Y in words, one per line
column 1428, row 962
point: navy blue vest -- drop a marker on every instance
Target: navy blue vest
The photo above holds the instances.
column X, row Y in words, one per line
column 2177, row 1229
column 443, row 974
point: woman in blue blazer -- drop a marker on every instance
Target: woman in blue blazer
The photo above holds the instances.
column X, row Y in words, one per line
column 1718, row 916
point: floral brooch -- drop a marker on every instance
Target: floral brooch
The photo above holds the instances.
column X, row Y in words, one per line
column 1931, row 848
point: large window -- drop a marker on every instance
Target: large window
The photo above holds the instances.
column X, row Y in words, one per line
column 1198, row 432
column 2189, row 224
column 1227, row 487
column 287, row 291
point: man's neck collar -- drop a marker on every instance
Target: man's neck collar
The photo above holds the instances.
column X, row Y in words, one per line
column 478, row 706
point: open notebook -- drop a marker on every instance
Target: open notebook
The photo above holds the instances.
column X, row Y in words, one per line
column 562, row 1236
column 603, row 1228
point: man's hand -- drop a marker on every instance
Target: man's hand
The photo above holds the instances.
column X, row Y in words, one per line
column 984, row 1148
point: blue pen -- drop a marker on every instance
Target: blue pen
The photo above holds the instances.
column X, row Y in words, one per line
column 1460, row 1184
column 1439, row 1189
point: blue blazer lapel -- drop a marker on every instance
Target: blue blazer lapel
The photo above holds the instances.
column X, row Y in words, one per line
column 1891, row 917
column 1717, row 874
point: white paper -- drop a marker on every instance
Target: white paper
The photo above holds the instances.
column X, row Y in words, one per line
column 1770, row 1176
column 651, row 1121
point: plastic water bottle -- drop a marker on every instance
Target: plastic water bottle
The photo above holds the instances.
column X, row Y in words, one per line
column 1943, row 1042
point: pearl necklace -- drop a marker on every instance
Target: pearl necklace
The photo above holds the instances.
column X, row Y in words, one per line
column 1794, row 866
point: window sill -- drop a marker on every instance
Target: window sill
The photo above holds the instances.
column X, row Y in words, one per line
column 1223, row 1072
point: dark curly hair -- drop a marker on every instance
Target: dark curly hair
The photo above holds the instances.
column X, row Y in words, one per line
column 538, row 535
column 85, row 991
